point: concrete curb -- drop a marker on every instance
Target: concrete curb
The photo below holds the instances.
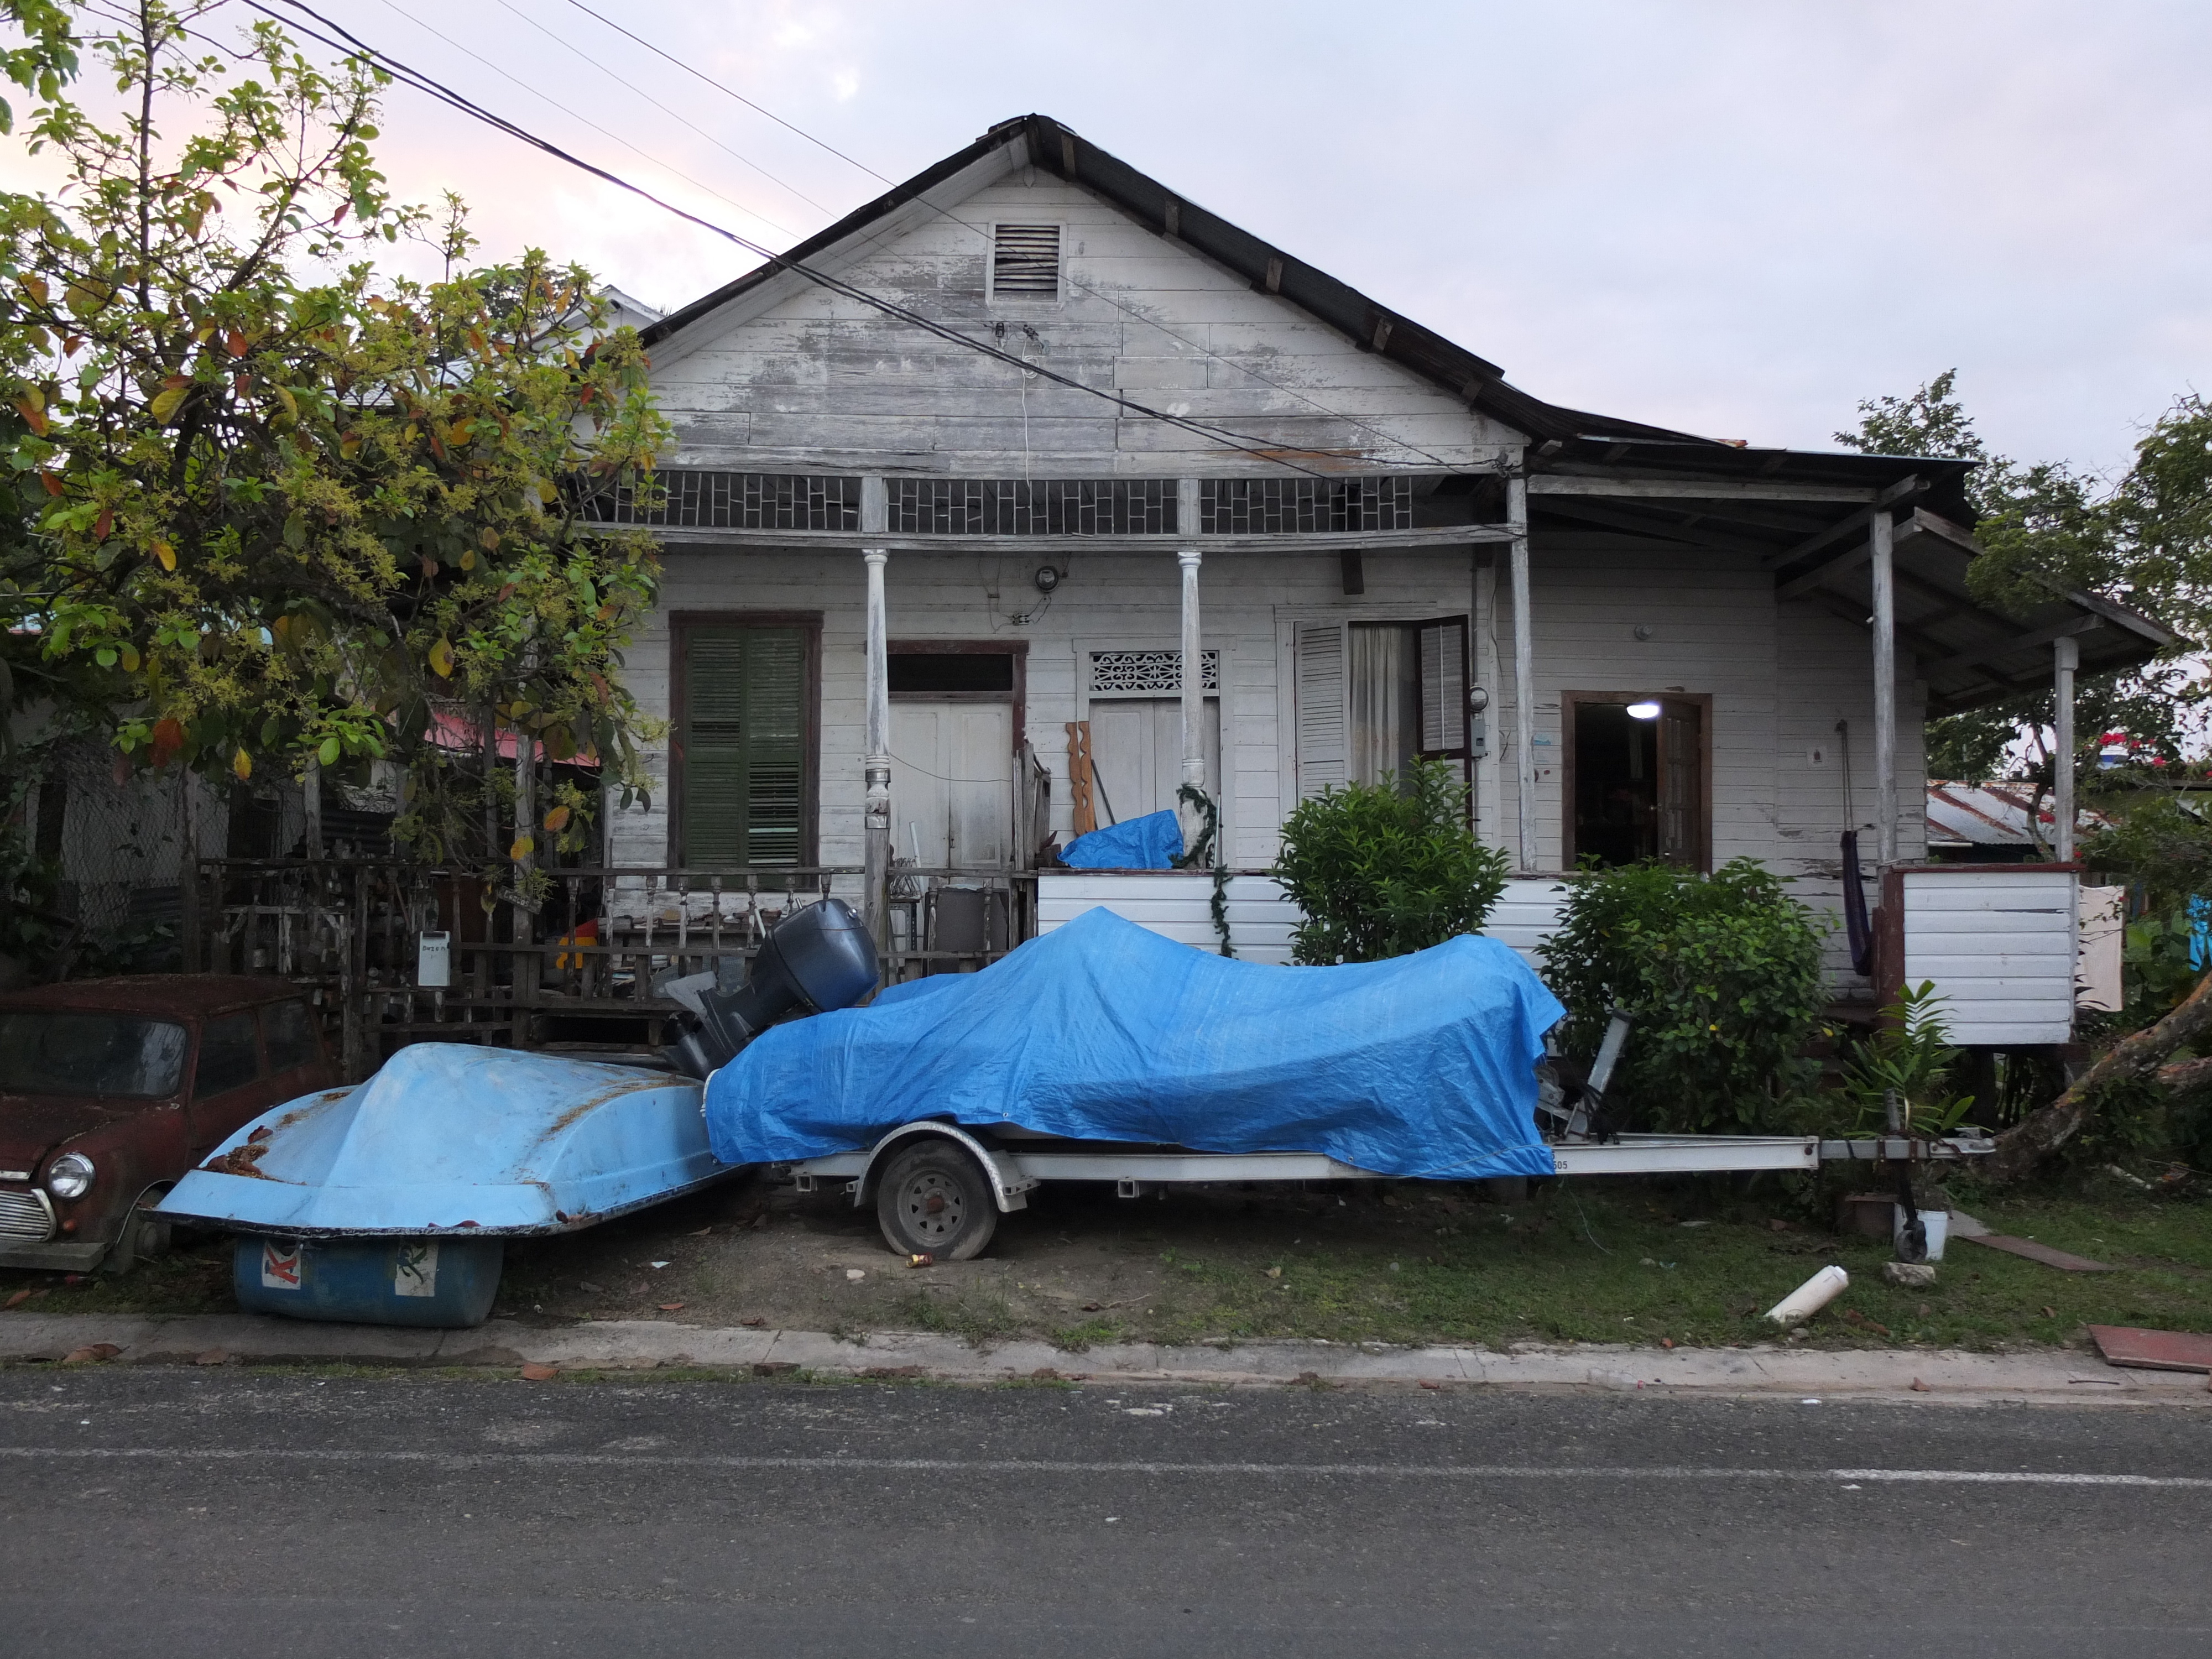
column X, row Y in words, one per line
column 648, row 1345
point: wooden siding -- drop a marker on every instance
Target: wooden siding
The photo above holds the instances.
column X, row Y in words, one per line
column 814, row 382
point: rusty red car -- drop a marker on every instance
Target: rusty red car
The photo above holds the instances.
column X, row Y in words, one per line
column 111, row 1088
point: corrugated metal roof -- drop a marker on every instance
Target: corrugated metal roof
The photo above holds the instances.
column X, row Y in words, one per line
column 1993, row 815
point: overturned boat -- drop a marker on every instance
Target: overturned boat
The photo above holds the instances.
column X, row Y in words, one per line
column 389, row 1202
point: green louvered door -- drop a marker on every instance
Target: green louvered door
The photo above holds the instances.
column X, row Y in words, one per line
column 745, row 746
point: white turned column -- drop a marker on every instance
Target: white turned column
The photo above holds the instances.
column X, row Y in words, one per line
column 1193, row 696
column 876, row 768
column 1885, row 688
column 2065, row 659
column 1524, row 677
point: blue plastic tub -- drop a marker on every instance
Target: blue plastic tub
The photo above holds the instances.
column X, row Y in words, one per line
column 447, row 1283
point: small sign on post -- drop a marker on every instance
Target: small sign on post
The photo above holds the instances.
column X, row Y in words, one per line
column 434, row 961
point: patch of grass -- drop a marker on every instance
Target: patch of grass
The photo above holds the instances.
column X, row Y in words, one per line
column 1594, row 1266
column 1076, row 1338
column 977, row 1318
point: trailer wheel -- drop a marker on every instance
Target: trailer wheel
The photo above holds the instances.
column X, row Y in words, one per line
column 934, row 1198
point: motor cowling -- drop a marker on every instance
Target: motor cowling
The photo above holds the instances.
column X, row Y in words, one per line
column 815, row 960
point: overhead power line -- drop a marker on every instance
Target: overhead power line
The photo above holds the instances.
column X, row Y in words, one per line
column 674, row 115
column 751, row 212
column 726, row 92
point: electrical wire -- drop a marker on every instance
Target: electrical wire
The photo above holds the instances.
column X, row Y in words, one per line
column 728, row 93
column 749, row 212
column 417, row 81
column 781, row 184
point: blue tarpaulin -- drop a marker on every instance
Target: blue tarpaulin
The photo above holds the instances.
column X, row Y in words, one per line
column 1421, row 1065
column 1151, row 842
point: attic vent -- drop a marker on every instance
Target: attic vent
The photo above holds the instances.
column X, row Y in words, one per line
column 1025, row 260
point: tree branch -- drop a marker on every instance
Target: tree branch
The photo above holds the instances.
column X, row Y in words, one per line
column 2042, row 1131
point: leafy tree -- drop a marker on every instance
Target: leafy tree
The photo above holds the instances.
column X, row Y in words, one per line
column 1385, row 869
column 2049, row 528
column 289, row 512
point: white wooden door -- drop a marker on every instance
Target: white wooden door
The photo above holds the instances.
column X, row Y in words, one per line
column 953, row 784
column 1136, row 755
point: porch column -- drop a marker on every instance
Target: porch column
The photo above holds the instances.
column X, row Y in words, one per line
column 2065, row 657
column 1885, row 688
column 1193, row 698
column 876, row 768
column 1524, row 696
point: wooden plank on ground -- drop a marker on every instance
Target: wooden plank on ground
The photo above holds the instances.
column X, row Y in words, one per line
column 2152, row 1351
column 2042, row 1253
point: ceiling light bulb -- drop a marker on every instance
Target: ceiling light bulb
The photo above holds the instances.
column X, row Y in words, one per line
column 1646, row 710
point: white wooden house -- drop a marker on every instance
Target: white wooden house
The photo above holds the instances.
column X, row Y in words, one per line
column 956, row 481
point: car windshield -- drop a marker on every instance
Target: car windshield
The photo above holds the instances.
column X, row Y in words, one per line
column 43, row 1054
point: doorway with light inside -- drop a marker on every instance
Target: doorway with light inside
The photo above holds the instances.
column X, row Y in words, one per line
column 1637, row 783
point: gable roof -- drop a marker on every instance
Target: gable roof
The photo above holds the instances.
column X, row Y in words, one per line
column 1046, row 143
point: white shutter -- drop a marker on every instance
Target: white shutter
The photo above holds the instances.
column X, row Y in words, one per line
column 1444, row 686
column 1318, row 648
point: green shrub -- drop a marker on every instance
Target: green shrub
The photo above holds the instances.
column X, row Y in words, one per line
column 1723, row 973
column 1382, row 870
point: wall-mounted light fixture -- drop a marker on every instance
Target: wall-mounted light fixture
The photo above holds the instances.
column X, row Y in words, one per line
column 1645, row 710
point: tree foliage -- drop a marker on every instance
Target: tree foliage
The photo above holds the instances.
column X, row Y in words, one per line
column 2048, row 528
column 1382, row 870
column 286, row 511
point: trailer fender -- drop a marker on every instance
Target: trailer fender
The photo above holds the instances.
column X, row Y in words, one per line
column 1010, row 1188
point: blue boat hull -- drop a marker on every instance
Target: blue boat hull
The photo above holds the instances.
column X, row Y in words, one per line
column 452, row 1139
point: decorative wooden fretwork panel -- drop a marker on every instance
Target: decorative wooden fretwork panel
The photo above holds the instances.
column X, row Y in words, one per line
column 1152, row 673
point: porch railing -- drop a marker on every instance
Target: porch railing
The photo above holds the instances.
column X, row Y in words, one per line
column 586, row 965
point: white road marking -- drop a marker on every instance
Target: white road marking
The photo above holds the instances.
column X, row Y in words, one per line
column 1070, row 1466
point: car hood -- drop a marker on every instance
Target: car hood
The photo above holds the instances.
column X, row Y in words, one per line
column 31, row 1125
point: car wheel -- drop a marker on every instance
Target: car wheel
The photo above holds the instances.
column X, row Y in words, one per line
column 145, row 1236
column 934, row 1198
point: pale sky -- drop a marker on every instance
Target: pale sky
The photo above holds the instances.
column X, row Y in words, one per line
column 1733, row 217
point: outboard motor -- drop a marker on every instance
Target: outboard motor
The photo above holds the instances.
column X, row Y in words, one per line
column 816, row 959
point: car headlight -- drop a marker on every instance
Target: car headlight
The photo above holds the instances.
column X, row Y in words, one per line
column 70, row 1176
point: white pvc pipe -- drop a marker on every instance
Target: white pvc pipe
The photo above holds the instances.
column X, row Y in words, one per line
column 1808, row 1298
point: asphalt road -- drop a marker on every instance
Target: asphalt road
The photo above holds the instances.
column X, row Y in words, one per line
column 186, row 1513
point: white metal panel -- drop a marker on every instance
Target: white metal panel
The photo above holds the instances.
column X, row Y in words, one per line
column 1999, row 947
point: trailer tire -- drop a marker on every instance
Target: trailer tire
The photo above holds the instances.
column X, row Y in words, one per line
column 934, row 1199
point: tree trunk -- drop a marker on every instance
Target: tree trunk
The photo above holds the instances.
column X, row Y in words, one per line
column 2042, row 1131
